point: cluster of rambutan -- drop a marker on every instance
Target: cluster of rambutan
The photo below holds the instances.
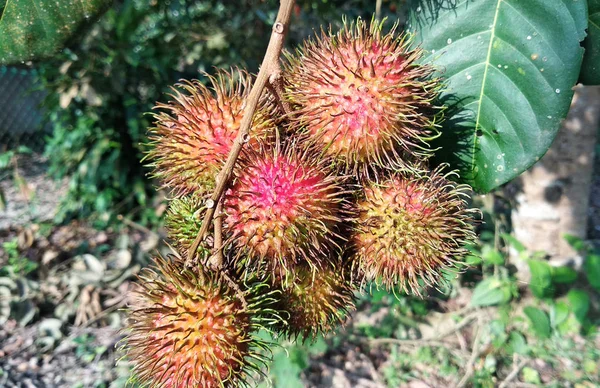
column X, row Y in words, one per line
column 331, row 192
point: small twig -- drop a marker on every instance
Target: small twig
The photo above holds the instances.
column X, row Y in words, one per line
column 418, row 343
column 270, row 64
column 461, row 341
column 135, row 225
column 103, row 314
column 378, row 10
column 514, row 373
column 476, row 352
column 275, row 86
column 237, row 289
column 459, row 326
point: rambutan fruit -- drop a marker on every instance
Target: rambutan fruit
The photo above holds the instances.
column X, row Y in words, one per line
column 183, row 220
column 195, row 132
column 410, row 228
column 363, row 96
column 283, row 207
column 194, row 329
column 316, row 300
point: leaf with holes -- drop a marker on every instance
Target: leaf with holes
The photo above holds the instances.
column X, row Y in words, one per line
column 590, row 70
column 35, row 29
column 509, row 67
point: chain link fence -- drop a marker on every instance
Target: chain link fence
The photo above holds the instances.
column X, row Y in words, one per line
column 20, row 112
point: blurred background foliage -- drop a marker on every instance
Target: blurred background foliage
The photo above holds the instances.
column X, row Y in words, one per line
column 100, row 89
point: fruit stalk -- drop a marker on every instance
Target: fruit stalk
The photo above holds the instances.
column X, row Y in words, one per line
column 269, row 66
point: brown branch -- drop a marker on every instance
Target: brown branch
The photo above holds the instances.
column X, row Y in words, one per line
column 217, row 258
column 236, row 288
column 476, row 352
column 514, row 373
column 270, row 65
column 378, row 10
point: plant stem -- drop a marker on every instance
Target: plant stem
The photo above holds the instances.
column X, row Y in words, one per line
column 270, row 65
column 218, row 247
column 378, row 10
column 275, row 86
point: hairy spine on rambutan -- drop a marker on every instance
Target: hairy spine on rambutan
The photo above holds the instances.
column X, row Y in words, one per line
column 363, row 95
column 183, row 221
column 283, row 208
column 193, row 328
column 412, row 227
column 316, row 300
column 195, row 132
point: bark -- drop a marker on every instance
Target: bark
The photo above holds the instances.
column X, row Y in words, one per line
column 554, row 194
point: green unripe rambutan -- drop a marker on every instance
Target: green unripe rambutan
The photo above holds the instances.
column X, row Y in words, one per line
column 193, row 329
column 316, row 300
column 282, row 208
column 194, row 133
column 362, row 95
column 411, row 227
column 183, row 220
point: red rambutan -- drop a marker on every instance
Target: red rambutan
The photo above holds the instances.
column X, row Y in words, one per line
column 363, row 95
column 283, row 207
column 193, row 329
column 194, row 133
column 412, row 227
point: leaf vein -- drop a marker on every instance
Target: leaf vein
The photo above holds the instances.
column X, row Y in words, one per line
column 485, row 72
column 536, row 31
column 528, row 61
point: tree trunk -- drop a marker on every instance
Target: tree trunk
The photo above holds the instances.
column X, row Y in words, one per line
column 554, row 194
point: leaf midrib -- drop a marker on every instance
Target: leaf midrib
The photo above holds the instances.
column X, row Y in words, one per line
column 485, row 73
column 4, row 10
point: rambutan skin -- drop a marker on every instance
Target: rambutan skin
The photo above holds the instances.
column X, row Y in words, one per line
column 195, row 132
column 283, row 207
column 410, row 228
column 183, row 220
column 193, row 329
column 362, row 95
column 317, row 300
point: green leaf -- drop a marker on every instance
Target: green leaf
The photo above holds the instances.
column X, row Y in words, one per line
column 540, row 323
column 575, row 242
column 541, row 278
column 559, row 313
column 579, row 302
column 531, row 375
column 473, row 260
column 492, row 256
column 592, row 270
column 590, row 69
column 513, row 242
column 35, row 29
column 563, row 275
column 491, row 291
column 5, row 159
column 517, row 343
column 509, row 67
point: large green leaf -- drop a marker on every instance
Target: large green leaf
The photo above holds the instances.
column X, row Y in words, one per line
column 509, row 66
column 32, row 29
column 590, row 70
